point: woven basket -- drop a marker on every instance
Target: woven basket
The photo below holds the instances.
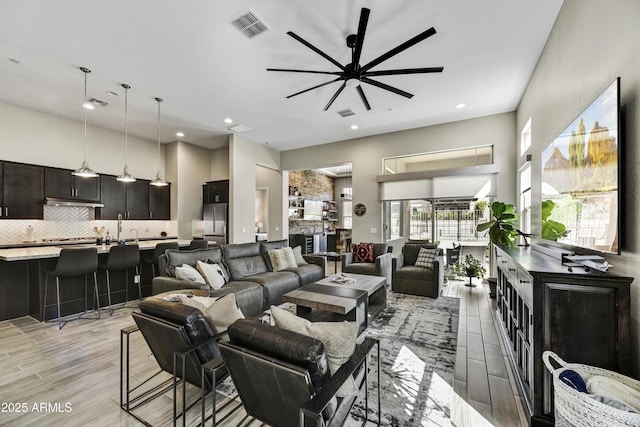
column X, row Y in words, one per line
column 573, row 408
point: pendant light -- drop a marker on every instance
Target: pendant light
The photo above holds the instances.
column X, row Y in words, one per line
column 126, row 176
column 158, row 180
column 85, row 170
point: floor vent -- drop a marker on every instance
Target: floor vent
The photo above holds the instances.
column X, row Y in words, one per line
column 249, row 24
column 347, row 112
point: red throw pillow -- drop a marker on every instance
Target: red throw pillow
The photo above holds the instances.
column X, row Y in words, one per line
column 362, row 252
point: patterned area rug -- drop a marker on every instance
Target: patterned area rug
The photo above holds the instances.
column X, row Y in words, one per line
column 418, row 350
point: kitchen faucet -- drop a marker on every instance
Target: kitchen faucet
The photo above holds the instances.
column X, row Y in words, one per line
column 132, row 230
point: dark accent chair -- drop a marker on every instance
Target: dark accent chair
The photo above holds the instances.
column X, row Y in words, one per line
column 422, row 281
column 381, row 265
column 198, row 244
column 151, row 257
column 283, row 379
column 182, row 342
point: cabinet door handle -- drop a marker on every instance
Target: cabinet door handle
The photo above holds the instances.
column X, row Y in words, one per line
column 150, row 215
column 6, row 211
column 0, row 210
column 524, row 281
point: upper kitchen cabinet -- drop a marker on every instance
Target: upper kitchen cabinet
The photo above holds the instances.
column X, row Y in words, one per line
column 22, row 191
column 216, row 192
column 160, row 202
column 131, row 200
column 138, row 199
column 60, row 183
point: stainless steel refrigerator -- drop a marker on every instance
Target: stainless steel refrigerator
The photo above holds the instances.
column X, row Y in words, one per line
column 215, row 218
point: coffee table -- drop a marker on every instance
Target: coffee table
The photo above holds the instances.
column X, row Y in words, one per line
column 374, row 285
column 318, row 302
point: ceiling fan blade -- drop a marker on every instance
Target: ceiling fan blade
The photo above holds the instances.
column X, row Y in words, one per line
column 335, row 73
column 396, row 50
column 387, row 87
column 335, row 95
column 315, row 49
column 315, row 87
column 362, row 28
column 363, row 97
column 403, row 71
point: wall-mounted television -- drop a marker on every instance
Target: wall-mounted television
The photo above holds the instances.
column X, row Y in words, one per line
column 313, row 210
column 580, row 178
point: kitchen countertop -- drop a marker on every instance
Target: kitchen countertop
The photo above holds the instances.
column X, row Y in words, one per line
column 53, row 251
column 75, row 241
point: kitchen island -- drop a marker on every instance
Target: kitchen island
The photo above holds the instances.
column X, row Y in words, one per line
column 22, row 280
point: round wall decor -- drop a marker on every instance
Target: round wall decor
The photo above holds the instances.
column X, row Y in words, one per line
column 360, row 209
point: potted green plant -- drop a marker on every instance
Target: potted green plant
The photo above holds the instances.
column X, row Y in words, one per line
column 470, row 267
column 503, row 226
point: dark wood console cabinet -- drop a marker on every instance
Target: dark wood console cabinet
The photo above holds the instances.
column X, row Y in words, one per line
column 583, row 317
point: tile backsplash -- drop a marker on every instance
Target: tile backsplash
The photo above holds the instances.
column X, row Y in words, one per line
column 71, row 222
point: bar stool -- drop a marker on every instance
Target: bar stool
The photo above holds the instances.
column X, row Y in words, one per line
column 72, row 263
column 122, row 257
column 148, row 257
column 199, row 244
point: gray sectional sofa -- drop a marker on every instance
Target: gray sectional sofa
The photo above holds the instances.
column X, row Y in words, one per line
column 251, row 274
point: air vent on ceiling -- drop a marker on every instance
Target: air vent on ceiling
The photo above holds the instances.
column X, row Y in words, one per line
column 97, row 102
column 347, row 112
column 239, row 128
column 249, row 24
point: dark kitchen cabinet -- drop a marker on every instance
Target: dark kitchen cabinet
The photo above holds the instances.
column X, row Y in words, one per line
column 582, row 316
column 60, row 183
column 131, row 200
column 137, row 199
column 160, row 202
column 216, row 192
column 22, row 191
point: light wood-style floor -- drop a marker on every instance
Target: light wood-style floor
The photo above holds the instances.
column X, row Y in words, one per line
column 70, row 377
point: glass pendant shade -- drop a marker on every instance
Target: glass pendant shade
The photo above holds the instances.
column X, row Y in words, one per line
column 158, row 181
column 84, row 170
column 125, row 176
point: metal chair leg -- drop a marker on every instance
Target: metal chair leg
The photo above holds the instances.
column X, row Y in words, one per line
column 44, row 300
column 109, row 293
column 58, row 301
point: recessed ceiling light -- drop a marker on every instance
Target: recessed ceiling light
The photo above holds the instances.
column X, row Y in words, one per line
column 228, row 120
column 267, row 142
column 461, row 106
column 179, row 134
column 88, row 106
column 111, row 93
column 354, row 127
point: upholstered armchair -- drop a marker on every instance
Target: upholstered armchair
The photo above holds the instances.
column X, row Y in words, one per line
column 417, row 280
column 283, row 378
column 379, row 265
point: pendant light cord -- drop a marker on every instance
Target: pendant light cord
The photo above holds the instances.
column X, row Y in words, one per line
column 126, row 131
column 84, row 110
column 159, row 101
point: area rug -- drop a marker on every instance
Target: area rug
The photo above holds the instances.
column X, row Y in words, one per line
column 418, row 351
column 418, row 338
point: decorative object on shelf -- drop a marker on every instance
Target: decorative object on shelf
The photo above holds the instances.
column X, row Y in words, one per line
column 360, row 209
column 125, row 176
column 158, row 180
column 471, row 268
column 84, row 170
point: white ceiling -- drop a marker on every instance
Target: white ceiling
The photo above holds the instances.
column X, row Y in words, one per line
column 188, row 53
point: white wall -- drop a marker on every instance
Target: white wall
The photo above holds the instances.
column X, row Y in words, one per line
column 592, row 43
column 367, row 153
column 219, row 164
column 244, row 156
column 32, row 137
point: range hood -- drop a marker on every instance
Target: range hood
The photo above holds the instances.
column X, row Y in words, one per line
column 54, row 201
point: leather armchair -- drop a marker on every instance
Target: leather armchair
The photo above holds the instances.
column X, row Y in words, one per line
column 381, row 266
column 410, row 279
column 283, row 379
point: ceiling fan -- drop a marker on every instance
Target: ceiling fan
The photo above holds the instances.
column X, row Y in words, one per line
column 354, row 74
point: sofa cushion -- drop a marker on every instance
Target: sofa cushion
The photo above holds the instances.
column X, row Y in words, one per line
column 426, row 257
column 177, row 258
column 187, row 272
column 212, row 273
column 339, row 339
column 282, row 259
column 297, row 254
column 412, row 272
column 219, row 312
column 379, row 249
column 274, row 285
column 243, row 260
column 265, row 247
column 368, row 268
column 308, row 273
column 362, row 252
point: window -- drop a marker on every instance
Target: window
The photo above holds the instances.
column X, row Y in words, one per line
column 440, row 160
column 525, row 138
column 525, row 198
column 347, row 208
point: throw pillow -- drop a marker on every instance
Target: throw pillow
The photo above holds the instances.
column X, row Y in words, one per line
column 225, row 273
column 220, row 313
column 290, row 257
column 297, row 253
column 339, row 339
column 362, row 252
column 187, row 272
column 279, row 260
column 212, row 273
column 426, row 257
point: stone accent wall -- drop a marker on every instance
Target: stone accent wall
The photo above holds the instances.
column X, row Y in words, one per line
column 312, row 186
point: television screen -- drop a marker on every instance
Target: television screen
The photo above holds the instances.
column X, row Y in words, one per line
column 580, row 178
column 313, row 210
